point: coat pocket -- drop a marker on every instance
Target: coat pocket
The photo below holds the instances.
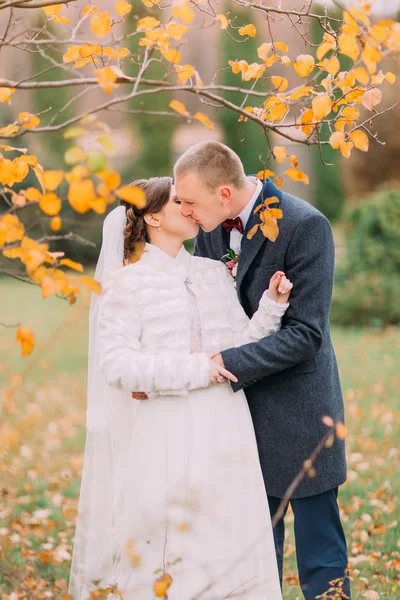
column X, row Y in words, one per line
column 306, row 366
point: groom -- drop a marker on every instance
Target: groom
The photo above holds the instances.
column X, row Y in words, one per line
column 291, row 377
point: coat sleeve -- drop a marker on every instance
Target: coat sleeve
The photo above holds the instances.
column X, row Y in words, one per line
column 309, row 264
column 122, row 360
column 266, row 320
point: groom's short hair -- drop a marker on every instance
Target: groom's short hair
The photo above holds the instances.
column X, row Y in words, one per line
column 215, row 163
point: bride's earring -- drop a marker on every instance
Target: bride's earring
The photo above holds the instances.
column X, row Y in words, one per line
column 159, row 228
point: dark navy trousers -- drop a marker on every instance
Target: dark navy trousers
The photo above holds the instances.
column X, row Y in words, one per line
column 320, row 542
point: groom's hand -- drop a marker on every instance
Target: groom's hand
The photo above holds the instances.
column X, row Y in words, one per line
column 139, row 396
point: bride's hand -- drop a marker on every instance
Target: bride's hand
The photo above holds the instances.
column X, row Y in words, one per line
column 218, row 374
column 279, row 287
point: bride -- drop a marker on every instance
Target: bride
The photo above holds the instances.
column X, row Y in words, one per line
column 172, row 501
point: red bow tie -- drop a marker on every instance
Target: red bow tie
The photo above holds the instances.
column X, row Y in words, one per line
column 230, row 224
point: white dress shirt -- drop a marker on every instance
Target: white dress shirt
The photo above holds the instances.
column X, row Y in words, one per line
column 235, row 236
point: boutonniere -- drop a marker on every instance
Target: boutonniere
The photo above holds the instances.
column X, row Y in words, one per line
column 232, row 263
column 268, row 219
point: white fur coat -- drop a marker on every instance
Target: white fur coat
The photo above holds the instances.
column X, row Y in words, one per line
column 144, row 322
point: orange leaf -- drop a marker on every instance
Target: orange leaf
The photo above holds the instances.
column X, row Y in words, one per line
column 341, row 431
column 122, row 8
column 101, row 23
column 185, row 72
column 304, row 65
column 223, row 20
column 265, row 174
column 26, row 338
column 184, row 12
column 132, row 195
column 321, row 106
column 50, row 204
column 348, row 46
column 336, row 140
column 71, row 264
column 52, row 179
column 253, row 231
column 279, row 153
column 249, row 30
column 360, row 140
column 179, row 107
column 204, row 119
column 297, row 175
column 92, row 284
column 52, row 10
column 81, row 194
column 55, row 223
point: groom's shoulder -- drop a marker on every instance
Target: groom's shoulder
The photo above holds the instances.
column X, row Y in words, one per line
column 296, row 209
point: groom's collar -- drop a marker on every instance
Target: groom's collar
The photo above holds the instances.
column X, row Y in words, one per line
column 246, row 212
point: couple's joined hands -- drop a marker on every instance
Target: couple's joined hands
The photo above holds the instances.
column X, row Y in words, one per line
column 279, row 290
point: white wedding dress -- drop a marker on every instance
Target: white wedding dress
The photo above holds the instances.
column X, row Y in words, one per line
column 188, row 497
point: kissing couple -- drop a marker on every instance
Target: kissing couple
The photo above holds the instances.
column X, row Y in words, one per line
column 207, row 389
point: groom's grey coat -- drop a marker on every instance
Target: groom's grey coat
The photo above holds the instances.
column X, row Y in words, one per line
column 291, row 377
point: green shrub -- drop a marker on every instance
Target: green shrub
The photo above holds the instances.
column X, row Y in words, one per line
column 367, row 285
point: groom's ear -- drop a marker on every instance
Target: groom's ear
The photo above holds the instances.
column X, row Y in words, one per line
column 225, row 194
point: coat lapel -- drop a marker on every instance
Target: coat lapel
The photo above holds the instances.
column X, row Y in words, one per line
column 250, row 248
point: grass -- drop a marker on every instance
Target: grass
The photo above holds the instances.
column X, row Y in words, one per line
column 43, row 436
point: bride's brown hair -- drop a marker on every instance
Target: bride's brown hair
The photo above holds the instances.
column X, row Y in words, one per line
column 158, row 191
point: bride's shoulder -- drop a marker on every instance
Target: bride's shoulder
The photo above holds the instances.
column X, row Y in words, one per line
column 127, row 274
column 207, row 265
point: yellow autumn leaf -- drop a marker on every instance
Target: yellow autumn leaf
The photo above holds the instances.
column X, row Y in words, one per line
column 172, row 55
column 321, row 106
column 28, row 121
column 346, row 148
column 297, row 175
column 390, row 77
column 275, row 109
column 223, row 20
column 361, row 74
column 304, row 65
column 50, row 204
column 331, row 65
column 122, row 8
column 360, row 140
column 348, row 46
column 183, row 12
column 279, row 153
column 32, row 194
column 74, row 132
column 281, row 46
column 371, row 98
column 176, row 31
column 8, row 130
column 269, row 225
column 336, row 140
column 52, row 10
column 55, row 223
column 184, row 72
column 73, row 155
column 101, row 23
column 265, row 174
column 71, row 54
column 293, row 160
column 264, row 50
column 132, row 195
column 341, row 430
column 147, row 24
column 26, row 338
column 253, row 71
column 162, row 585
column 89, row 50
column 81, row 194
column 66, row 262
column 5, row 95
column 203, row 119
column 280, row 83
column 249, row 30
column 63, row 20
column 107, row 78
column 89, row 10
column 302, row 92
column 52, row 179
column 253, row 231
column 179, row 107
